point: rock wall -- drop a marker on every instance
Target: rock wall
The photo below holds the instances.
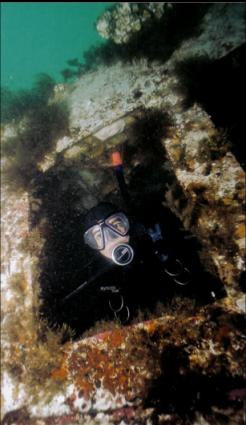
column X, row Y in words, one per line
column 16, row 295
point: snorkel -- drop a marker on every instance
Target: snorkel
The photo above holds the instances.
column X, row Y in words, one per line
column 117, row 165
column 173, row 267
column 108, row 231
column 122, row 253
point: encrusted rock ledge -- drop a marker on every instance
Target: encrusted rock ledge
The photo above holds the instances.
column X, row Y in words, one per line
column 126, row 374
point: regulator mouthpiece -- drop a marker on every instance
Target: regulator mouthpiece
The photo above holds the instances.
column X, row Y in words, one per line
column 122, row 254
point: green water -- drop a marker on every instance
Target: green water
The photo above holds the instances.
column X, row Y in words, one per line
column 40, row 37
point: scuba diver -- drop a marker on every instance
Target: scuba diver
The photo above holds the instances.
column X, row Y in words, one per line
column 135, row 263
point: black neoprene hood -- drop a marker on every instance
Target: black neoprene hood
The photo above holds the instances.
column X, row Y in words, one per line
column 97, row 213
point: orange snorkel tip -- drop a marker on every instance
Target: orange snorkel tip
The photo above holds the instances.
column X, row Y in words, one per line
column 116, row 159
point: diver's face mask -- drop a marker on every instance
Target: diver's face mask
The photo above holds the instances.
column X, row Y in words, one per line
column 110, row 237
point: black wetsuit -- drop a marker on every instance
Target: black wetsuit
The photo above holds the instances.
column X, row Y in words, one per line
column 142, row 283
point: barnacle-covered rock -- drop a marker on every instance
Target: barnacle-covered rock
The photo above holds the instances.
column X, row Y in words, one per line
column 128, row 373
column 216, row 36
column 125, row 19
column 215, row 206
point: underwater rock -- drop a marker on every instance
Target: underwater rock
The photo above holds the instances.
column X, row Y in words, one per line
column 136, row 374
column 215, row 207
column 17, row 298
column 213, row 186
column 125, row 19
column 221, row 31
column 212, row 180
column 118, row 371
column 221, row 27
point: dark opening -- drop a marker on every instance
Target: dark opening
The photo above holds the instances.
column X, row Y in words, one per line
column 66, row 262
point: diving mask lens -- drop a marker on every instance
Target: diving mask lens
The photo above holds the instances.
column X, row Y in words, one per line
column 94, row 237
column 119, row 223
column 100, row 234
